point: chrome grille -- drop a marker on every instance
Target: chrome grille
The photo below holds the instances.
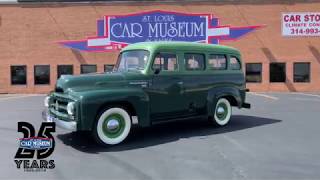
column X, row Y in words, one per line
column 59, row 105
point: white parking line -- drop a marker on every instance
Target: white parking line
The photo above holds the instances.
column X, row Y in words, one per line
column 264, row 95
column 307, row 99
column 19, row 96
column 305, row 94
column 236, row 144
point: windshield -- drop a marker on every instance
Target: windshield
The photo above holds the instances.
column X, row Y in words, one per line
column 132, row 60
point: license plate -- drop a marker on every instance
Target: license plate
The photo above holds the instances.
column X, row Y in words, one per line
column 50, row 118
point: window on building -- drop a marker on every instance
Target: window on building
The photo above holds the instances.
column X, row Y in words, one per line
column 253, row 72
column 165, row 62
column 277, row 72
column 42, row 74
column 64, row 70
column 19, row 75
column 301, row 72
column 88, row 68
column 217, row 62
column 235, row 63
column 194, row 61
column 108, row 67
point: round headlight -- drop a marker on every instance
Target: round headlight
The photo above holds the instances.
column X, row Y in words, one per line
column 70, row 108
column 46, row 101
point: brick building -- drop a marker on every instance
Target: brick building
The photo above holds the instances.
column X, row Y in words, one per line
column 32, row 59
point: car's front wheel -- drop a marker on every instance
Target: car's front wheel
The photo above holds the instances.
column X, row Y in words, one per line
column 222, row 112
column 112, row 126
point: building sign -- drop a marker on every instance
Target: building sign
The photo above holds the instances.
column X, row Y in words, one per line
column 301, row 24
column 116, row 32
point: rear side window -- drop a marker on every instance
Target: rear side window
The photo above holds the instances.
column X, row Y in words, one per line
column 194, row 61
column 165, row 62
column 235, row 63
column 217, row 62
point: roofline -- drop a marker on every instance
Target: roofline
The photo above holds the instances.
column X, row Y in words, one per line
column 160, row 44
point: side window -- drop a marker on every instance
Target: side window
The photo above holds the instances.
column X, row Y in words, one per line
column 88, row 68
column 108, row 67
column 42, row 74
column 254, row 72
column 301, row 72
column 194, row 61
column 19, row 75
column 235, row 63
column 218, row 62
column 165, row 62
column 277, row 72
column 64, row 69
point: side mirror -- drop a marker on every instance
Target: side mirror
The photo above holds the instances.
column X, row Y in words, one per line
column 156, row 71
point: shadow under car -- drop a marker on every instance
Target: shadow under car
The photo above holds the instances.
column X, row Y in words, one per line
column 163, row 133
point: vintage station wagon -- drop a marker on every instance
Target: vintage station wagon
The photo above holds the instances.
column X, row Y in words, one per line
column 152, row 82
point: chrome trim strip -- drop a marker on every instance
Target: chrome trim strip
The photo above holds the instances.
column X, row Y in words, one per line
column 138, row 82
column 71, row 126
column 67, row 125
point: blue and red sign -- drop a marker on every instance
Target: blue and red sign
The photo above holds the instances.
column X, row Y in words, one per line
column 35, row 143
column 116, row 32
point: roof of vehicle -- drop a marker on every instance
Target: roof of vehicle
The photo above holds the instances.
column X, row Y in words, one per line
column 186, row 46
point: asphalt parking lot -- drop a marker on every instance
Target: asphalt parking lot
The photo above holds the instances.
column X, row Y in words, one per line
column 278, row 138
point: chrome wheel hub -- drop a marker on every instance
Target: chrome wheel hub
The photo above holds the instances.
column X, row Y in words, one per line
column 220, row 110
column 112, row 125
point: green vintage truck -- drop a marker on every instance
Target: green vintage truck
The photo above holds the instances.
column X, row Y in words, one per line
column 152, row 82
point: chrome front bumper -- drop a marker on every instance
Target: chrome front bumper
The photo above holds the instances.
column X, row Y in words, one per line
column 68, row 125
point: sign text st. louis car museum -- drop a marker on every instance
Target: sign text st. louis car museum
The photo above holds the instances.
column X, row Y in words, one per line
column 116, row 32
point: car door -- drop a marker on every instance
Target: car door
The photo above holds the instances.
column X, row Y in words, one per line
column 166, row 90
column 196, row 83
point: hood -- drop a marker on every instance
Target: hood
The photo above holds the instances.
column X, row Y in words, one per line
column 67, row 83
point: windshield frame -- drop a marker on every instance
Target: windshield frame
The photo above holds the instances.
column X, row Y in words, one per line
column 141, row 70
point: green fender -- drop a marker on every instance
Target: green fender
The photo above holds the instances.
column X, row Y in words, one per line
column 215, row 93
column 92, row 102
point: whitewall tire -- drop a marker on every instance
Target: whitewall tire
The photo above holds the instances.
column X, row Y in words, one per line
column 222, row 112
column 113, row 126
